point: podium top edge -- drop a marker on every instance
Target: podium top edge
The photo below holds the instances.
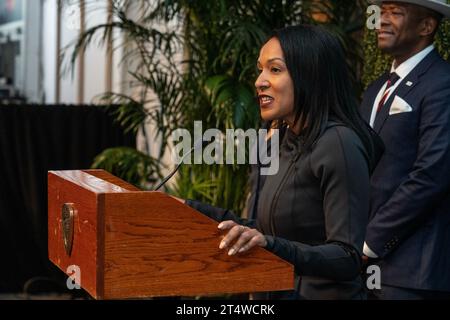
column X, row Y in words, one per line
column 88, row 181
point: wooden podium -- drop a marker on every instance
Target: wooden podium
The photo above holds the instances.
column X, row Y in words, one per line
column 129, row 243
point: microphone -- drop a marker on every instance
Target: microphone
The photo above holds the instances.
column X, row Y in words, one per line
column 199, row 143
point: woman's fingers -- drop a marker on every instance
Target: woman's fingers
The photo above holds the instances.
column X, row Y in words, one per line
column 253, row 242
column 256, row 239
column 240, row 238
column 226, row 225
column 246, row 235
column 231, row 236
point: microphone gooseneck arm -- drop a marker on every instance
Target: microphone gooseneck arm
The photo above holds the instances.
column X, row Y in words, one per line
column 167, row 178
column 163, row 182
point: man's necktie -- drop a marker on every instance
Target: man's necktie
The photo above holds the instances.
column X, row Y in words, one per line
column 393, row 78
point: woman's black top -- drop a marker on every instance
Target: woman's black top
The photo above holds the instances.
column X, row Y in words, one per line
column 314, row 212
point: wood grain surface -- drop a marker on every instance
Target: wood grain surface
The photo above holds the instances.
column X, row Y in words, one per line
column 85, row 239
column 136, row 244
column 154, row 244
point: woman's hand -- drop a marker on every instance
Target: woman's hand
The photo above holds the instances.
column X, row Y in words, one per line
column 240, row 238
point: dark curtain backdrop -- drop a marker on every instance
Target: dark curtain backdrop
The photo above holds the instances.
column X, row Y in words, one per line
column 34, row 140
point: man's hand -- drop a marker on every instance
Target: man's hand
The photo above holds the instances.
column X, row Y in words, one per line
column 240, row 238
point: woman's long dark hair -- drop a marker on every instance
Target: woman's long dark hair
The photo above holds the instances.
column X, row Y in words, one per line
column 322, row 85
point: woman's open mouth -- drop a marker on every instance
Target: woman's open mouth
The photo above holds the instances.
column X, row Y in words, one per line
column 265, row 100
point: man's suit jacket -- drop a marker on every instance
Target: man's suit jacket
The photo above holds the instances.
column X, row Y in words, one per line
column 409, row 223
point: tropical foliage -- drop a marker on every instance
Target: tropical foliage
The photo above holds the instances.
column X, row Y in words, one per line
column 212, row 80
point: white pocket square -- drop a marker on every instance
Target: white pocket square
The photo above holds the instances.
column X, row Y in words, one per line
column 399, row 106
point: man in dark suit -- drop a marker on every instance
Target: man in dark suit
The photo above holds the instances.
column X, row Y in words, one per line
column 408, row 234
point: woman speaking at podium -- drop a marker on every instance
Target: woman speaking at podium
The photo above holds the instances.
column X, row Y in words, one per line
column 313, row 212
